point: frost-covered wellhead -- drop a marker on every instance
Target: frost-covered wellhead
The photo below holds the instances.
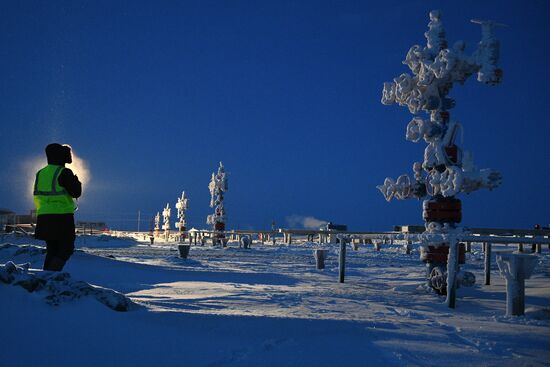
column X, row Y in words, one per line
column 218, row 186
column 182, row 205
column 445, row 170
column 166, row 221
column 157, row 224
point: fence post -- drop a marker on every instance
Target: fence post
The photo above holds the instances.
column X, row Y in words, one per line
column 408, row 247
column 342, row 261
column 320, row 256
column 487, row 263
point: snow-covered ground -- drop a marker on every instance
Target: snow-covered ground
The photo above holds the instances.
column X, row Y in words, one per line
column 268, row 306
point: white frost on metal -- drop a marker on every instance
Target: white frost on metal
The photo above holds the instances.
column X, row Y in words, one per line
column 515, row 268
column 452, row 268
column 182, row 205
column 218, row 186
column 435, row 69
column 437, row 233
column 166, row 217
column 157, row 221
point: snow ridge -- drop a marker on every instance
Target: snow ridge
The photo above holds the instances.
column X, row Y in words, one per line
column 58, row 287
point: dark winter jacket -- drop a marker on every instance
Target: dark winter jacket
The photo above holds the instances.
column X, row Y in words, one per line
column 50, row 227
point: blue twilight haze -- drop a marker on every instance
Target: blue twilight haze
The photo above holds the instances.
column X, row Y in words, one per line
column 152, row 95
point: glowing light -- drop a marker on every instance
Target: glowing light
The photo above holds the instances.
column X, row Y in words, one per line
column 79, row 167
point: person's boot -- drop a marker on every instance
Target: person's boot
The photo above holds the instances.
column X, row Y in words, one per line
column 47, row 263
column 56, row 264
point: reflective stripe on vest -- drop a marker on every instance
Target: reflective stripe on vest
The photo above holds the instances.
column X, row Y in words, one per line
column 49, row 196
column 54, row 190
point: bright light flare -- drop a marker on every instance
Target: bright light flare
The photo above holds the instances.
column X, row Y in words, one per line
column 31, row 166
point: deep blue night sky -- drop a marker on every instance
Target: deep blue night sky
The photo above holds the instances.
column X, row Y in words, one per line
column 286, row 93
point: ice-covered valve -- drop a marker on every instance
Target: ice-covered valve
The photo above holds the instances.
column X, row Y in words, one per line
column 515, row 268
column 488, row 53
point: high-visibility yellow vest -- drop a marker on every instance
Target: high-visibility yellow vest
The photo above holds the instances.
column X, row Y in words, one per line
column 49, row 196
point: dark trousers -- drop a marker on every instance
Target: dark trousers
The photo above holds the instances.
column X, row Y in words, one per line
column 57, row 254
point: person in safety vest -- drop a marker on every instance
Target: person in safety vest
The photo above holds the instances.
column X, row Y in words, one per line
column 54, row 189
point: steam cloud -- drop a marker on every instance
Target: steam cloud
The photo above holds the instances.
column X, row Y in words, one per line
column 81, row 169
column 306, row 222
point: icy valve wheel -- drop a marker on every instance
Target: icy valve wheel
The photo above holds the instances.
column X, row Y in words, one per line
column 438, row 280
